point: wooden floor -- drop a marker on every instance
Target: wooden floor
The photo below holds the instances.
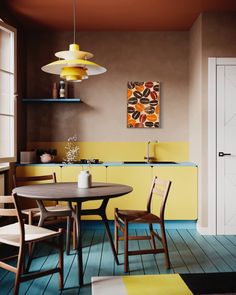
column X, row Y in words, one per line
column 189, row 253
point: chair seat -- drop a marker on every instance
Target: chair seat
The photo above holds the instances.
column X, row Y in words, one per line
column 57, row 208
column 137, row 216
column 10, row 234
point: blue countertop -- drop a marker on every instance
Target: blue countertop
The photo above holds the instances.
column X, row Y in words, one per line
column 108, row 164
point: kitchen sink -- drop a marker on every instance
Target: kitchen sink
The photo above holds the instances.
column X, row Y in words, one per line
column 135, row 162
column 164, row 162
column 153, row 162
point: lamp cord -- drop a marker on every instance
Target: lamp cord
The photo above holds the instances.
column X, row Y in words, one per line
column 74, row 11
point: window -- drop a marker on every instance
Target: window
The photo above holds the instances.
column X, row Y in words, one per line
column 7, row 93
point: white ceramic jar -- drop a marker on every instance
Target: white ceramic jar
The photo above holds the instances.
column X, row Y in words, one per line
column 84, row 179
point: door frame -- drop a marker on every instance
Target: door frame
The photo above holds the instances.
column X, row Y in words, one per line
column 213, row 62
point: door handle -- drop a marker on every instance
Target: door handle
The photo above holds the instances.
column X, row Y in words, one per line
column 221, row 154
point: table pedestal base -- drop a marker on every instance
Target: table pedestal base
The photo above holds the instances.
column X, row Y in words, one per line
column 101, row 211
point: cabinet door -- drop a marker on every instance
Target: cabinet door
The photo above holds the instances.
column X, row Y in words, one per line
column 139, row 178
column 22, row 171
column 70, row 174
column 99, row 173
column 182, row 199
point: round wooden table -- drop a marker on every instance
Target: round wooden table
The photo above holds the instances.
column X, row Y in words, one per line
column 69, row 192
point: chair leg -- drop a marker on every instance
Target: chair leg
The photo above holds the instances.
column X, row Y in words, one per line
column 23, row 267
column 126, row 247
column 164, row 242
column 30, row 257
column 152, row 236
column 74, row 235
column 68, row 233
column 61, row 261
column 30, row 217
column 116, row 238
column 30, row 222
column 19, row 270
column 32, row 245
column 41, row 220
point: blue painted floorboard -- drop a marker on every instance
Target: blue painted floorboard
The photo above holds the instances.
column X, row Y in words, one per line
column 189, row 253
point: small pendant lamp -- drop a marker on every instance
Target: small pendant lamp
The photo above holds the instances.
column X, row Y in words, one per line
column 73, row 64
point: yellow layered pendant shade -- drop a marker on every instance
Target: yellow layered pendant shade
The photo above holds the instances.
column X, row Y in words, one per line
column 74, row 52
column 73, row 65
column 73, row 74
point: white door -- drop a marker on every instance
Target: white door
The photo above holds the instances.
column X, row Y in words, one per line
column 226, row 149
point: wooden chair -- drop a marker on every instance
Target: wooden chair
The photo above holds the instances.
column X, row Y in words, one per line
column 123, row 218
column 45, row 214
column 20, row 235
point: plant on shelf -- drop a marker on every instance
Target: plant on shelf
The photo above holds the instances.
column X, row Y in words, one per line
column 71, row 150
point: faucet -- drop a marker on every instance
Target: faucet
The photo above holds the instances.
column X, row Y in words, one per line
column 148, row 151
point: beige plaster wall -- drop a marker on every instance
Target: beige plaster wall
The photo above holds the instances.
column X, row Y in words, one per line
column 128, row 56
column 195, row 106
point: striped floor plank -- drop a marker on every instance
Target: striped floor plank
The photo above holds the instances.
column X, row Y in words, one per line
column 149, row 262
column 211, row 252
column 107, row 263
column 232, row 239
column 40, row 284
column 199, row 254
column 223, row 252
column 227, row 244
column 177, row 261
column 184, row 251
column 189, row 253
column 71, row 280
column 93, row 262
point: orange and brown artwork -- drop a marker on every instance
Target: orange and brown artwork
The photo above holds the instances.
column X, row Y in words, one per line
column 143, row 105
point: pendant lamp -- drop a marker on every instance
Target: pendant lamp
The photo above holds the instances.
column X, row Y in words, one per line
column 73, row 64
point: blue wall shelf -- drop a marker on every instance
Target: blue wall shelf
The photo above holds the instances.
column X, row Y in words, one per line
column 51, row 100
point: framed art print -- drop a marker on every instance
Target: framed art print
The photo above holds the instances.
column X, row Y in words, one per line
column 143, row 105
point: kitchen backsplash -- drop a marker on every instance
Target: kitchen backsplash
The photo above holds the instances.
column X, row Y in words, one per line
column 120, row 151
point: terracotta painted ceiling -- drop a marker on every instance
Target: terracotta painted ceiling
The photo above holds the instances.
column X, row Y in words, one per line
column 122, row 15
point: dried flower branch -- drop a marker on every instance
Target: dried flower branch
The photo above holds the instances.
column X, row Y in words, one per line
column 72, row 150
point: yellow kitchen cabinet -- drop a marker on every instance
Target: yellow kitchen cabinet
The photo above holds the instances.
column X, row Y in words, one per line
column 70, row 174
column 139, row 177
column 99, row 173
column 34, row 170
column 182, row 199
